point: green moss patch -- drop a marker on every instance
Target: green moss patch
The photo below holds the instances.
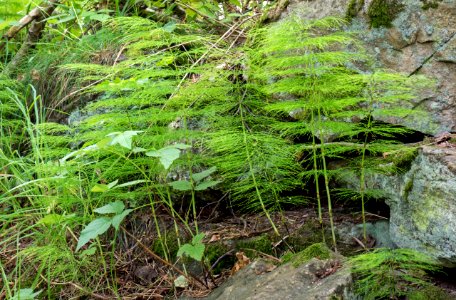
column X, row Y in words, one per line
column 353, row 8
column 318, row 250
column 382, row 12
column 427, row 4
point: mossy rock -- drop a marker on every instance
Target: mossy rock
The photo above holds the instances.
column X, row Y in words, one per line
column 309, row 233
column 318, row 250
column 353, row 8
column 427, row 4
column 253, row 246
column 214, row 252
column 429, row 293
column 382, row 12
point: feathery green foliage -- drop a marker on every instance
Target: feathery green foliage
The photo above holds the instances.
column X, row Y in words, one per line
column 386, row 273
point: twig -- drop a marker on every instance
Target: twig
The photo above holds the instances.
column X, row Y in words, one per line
column 77, row 286
column 154, row 255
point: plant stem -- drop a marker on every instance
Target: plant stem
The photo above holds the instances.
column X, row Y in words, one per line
column 252, row 172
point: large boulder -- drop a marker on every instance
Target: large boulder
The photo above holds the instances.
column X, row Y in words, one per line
column 421, row 39
column 316, row 279
column 422, row 202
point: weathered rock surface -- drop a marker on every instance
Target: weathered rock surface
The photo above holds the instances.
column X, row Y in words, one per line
column 420, row 41
column 422, row 203
column 312, row 280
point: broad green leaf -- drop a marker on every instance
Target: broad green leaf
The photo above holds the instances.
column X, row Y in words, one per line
column 201, row 175
column 94, row 229
column 25, row 294
column 181, row 185
column 99, row 188
column 111, row 208
column 117, row 219
column 194, row 251
column 89, row 252
column 51, row 219
column 124, row 139
column 166, row 155
column 170, row 26
column 197, row 239
column 55, row 219
column 139, row 150
column 206, row 184
column 181, row 282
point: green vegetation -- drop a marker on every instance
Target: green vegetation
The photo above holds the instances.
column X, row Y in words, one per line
column 353, row 8
column 386, row 273
column 382, row 12
column 427, row 4
column 318, row 250
column 128, row 118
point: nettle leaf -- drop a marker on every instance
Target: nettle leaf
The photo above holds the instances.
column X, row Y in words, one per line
column 181, row 185
column 51, row 219
column 201, row 175
column 194, row 251
column 139, row 150
column 166, row 155
column 117, row 219
column 25, row 294
column 124, row 139
column 198, row 239
column 93, row 230
column 111, row 208
column 206, row 184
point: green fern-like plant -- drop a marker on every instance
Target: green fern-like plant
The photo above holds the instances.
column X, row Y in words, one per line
column 308, row 70
column 391, row 273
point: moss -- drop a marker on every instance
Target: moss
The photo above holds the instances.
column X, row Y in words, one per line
column 429, row 293
column 354, row 6
column 169, row 242
column 262, row 243
column 382, row 12
column 214, row 252
column 318, row 250
column 309, row 233
column 427, row 4
column 408, row 187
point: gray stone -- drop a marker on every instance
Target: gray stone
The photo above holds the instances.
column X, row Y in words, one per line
column 422, row 203
column 378, row 230
column 312, row 280
column 419, row 42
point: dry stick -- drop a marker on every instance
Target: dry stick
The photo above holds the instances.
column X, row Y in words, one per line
column 151, row 253
column 34, row 34
column 77, row 286
column 231, row 30
column 26, row 20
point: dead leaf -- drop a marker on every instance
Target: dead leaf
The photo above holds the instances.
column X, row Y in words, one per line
column 242, row 262
column 214, row 238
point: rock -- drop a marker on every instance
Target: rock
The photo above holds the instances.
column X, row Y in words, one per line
column 419, row 41
column 317, row 279
column 378, row 230
column 422, row 203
